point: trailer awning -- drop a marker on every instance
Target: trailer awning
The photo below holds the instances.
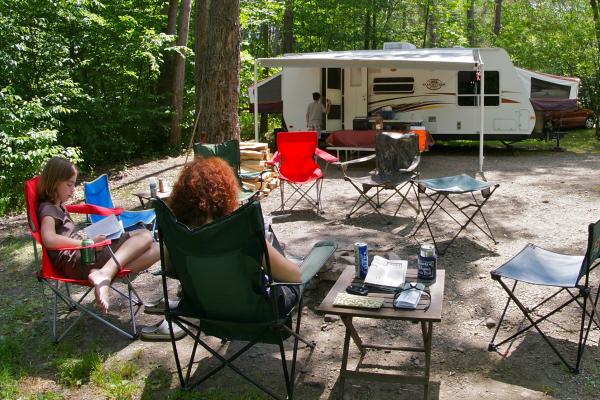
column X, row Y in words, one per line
column 412, row 58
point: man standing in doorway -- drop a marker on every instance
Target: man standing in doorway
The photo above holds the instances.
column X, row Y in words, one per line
column 314, row 113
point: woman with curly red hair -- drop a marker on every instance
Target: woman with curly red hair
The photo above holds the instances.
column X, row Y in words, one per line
column 206, row 190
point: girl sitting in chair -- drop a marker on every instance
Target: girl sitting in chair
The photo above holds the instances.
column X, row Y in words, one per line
column 134, row 250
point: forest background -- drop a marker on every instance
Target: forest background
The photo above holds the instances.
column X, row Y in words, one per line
column 109, row 82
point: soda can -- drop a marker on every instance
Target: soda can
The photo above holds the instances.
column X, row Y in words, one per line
column 88, row 255
column 361, row 260
column 153, row 187
column 427, row 262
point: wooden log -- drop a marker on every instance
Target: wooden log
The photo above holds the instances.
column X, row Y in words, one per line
column 252, row 155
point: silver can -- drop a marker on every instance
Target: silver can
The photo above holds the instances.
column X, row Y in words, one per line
column 427, row 262
column 361, row 260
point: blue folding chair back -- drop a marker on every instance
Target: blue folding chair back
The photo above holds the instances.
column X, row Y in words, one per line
column 97, row 192
column 568, row 274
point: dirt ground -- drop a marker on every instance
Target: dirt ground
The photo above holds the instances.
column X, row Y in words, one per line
column 547, row 198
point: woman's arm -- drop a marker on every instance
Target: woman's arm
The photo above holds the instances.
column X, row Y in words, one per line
column 282, row 269
column 53, row 240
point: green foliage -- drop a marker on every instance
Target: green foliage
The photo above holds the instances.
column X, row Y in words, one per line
column 76, row 371
column 117, row 382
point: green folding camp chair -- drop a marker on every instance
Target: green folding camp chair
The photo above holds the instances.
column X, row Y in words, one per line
column 225, row 287
column 230, row 152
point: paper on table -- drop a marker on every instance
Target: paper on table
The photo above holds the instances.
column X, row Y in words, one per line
column 110, row 227
column 386, row 274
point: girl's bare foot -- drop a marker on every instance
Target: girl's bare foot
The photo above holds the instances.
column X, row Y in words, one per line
column 101, row 289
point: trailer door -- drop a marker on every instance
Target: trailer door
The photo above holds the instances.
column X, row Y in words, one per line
column 355, row 94
column 331, row 82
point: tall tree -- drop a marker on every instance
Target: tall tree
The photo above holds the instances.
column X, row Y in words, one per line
column 498, row 18
column 596, row 93
column 471, row 23
column 179, row 72
column 288, row 27
column 166, row 82
column 218, row 68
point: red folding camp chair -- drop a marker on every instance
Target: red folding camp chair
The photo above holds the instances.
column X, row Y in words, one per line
column 50, row 276
column 295, row 162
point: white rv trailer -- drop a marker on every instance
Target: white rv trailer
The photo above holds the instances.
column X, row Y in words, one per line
column 436, row 87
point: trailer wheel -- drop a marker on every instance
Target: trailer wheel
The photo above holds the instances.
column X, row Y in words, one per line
column 590, row 122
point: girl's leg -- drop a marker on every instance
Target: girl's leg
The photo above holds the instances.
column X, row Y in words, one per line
column 130, row 250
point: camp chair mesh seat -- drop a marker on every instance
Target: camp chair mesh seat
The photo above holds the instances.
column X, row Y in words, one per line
column 230, row 152
column 567, row 274
column 295, row 162
column 225, row 287
column 97, row 192
column 449, row 190
column 60, row 285
column 397, row 156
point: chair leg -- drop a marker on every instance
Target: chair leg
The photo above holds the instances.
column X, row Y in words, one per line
column 492, row 346
column 535, row 323
column 288, row 384
column 182, row 382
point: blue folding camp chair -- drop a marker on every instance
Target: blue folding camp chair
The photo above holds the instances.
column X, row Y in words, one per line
column 97, row 192
column 459, row 191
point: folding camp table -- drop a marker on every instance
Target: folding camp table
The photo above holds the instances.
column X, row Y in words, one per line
column 440, row 189
column 426, row 314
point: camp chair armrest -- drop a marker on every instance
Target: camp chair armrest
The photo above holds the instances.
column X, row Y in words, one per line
column 323, row 155
column 102, row 243
column 344, row 165
column 275, row 160
column 415, row 163
column 320, row 253
column 273, row 284
column 92, row 209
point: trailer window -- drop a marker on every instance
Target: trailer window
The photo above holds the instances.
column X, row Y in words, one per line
column 393, row 85
column 543, row 89
column 468, row 88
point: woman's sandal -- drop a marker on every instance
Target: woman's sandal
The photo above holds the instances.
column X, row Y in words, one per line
column 160, row 332
column 158, row 307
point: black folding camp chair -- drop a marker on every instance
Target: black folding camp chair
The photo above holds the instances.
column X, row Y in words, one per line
column 570, row 274
column 397, row 156
column 459, row 191
column 230, row 152
column 225, row 287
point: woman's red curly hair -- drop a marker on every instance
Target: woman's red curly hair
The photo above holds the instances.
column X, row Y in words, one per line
column 207, row 189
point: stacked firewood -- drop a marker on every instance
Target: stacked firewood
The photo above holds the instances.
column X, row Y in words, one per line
column 253, row 157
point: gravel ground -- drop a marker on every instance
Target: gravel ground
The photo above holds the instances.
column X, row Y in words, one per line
column 547, row 198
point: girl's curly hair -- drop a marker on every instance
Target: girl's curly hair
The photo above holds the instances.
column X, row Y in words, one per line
column 207, row 189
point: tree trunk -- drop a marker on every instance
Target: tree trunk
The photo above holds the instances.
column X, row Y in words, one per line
column 426, row 28
column 498, row 18
column 471, row 23
column 288, row 27
column 432, row 28
column 166, row 74
column 373, row 27
column 218, row 68
column 264, row 33
column 367, row 31
column 595, row 100
column 179, row 73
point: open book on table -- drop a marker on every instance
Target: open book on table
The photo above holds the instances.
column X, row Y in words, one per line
column 386, row 274
column 110, row 227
